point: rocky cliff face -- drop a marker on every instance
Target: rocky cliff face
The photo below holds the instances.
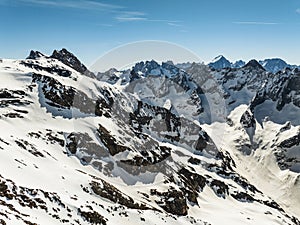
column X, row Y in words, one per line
column 71, row 60
column 156, row 144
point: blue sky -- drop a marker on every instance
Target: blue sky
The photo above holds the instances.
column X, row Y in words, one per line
column 89, row 28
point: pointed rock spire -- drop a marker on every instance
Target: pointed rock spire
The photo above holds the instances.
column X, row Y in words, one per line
column 35, row 55
column 71, row 60
column 254, row 64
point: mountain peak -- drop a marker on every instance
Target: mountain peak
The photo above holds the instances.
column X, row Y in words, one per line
column 254, row 64
column 238, row 64
column 71, row 60
column 146, row 67
column 35, row 55
column 274, row 65
column 219, row 57
column 68, row 58
column 220, row 62
column 169, row 139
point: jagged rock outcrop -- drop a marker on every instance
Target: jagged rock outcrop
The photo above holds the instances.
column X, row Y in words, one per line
column 139, row 148
column 254, row 64
column 71, row 60
column 35, row 55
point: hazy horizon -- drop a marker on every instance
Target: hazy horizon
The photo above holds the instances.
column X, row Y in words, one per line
column 89, row 29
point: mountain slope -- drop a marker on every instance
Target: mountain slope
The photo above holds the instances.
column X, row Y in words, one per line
column 220, row 62
column 272, row 65
column 76, row 150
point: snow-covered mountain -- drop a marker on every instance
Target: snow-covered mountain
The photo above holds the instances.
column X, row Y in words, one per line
column 155, row 144
column 273, row 65
column 220, row 62
column 238, row 64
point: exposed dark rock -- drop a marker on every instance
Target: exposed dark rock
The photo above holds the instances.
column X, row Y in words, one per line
column 59, row 95
column 219, row 187
column 245, row 184
column 254, row 64
column 83, row 144
column 64, row 97
column 282, row 89
column 92, row 217
column 146, row 67
column 145, row 114
column 3, row 141
column 110, row 142
column 71, row 60
column 21, row 111
column 108, row 76
column 273, row 205
column 243, row 197
column 72, row 143
column 13, row 97
column 284, row 160
column 4, row 93
column 247, row 120
column 172, row 201
column 295, row 221
column 25, row 145
column 108, row 191
column 285, row 127
column 13, row 115
column 193, row 182
column 134, row 76
column 103, row 105
column 290, row 142
column 227, row 160
column 35, row 55
column 25, row 197
column 54, row 139
column 53, row 69
column 164, row 152
column 194, row 161
column 229, row 121
column 202, row 141
column 227, row 173
column 182, row 79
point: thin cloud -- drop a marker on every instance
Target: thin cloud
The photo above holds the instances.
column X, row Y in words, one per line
column 174, row 24
column 128, row 16
column 133, row 13
column 166, row 21
column 298, row 10
column 80, row 4
column 255, row 23
column 140, row 16
column 119, row 12
column 129, row 19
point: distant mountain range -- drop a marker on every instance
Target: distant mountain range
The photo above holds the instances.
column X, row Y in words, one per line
column 273, row 65
column 153, row 144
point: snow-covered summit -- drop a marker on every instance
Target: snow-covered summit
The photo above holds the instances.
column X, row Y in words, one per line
column 275, row 65
column 77, row 150
column 272, row 65
column 220, row 62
